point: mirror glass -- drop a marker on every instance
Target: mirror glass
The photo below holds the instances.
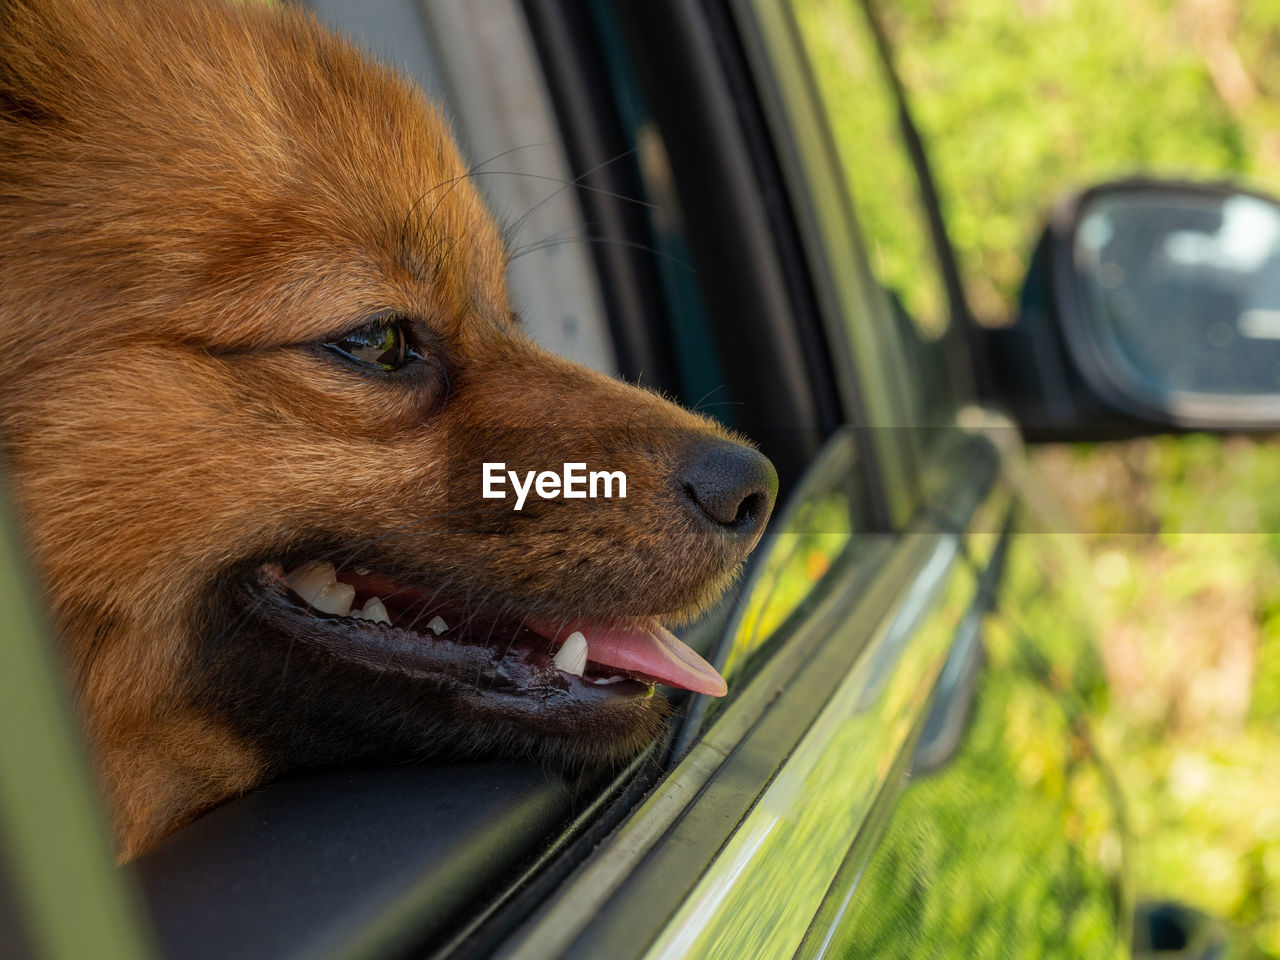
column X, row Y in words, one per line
column 1181, row 290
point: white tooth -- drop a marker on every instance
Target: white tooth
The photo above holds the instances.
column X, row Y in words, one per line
column 310, row 579
column 437, row 626
column 572, row 655
column 373, row 610
column 335, row 598
column 362, row 571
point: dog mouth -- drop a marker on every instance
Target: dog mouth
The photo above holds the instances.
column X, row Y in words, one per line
column 385, row 623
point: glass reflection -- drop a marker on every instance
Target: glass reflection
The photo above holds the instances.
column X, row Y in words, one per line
column 1015, row 847
column 801, row 547
column 760, row 896
column 1183, row 289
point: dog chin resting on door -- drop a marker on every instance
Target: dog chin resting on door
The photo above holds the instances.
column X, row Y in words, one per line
column 258, row 350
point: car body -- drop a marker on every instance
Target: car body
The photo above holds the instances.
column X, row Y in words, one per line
column 906, row 762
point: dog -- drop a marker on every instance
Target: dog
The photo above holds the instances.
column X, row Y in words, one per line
column 258, row 351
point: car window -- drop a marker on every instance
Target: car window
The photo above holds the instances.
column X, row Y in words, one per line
column 508, row 127
column 864, row 115
column 486, row 78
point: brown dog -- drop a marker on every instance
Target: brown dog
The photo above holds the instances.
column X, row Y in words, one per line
column 256, row 325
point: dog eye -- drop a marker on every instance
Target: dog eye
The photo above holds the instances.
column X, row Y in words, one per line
column 382, row 345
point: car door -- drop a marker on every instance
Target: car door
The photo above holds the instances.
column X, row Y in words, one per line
column 792, row 825
column 855, row 642
column 1006, row 835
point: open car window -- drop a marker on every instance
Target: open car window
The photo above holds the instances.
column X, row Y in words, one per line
column 664, row 251
column 478, row 63
column 428, row 855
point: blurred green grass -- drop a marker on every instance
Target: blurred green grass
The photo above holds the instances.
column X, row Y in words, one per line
column 1188, row 595
column 1020, row 101
column 1069, row 92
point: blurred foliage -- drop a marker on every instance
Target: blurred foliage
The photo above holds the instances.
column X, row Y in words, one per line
column 1070, row 92
column 1020, row 101
column 1188, row 595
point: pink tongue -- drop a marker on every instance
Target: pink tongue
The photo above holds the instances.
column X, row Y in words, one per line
column 654, row 652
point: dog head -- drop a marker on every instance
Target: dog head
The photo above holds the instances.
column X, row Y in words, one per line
column 260, row 349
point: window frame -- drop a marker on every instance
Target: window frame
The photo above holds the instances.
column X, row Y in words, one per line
column 787, row 395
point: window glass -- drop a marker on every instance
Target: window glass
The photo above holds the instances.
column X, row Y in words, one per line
column 701, row 379
column 808, row 537
column 488, row 80
column 862, row 112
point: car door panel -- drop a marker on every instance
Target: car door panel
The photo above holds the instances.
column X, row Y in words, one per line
column 1005, row 836
column 1014, row 845
column 775, row 793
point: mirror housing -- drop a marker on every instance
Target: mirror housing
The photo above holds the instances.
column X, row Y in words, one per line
column 1149, row 306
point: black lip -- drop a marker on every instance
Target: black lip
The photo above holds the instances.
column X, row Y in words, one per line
column 495, row 660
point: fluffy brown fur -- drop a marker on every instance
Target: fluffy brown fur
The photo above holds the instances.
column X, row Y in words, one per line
column 194, row 198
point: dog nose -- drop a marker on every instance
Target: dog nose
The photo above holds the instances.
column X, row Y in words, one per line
column 732, row 486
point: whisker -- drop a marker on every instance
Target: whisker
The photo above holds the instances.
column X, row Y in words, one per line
column 630, row 244
column 576, row 181
column 568, row 183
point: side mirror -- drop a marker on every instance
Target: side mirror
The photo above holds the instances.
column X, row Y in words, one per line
column 1149, row 306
